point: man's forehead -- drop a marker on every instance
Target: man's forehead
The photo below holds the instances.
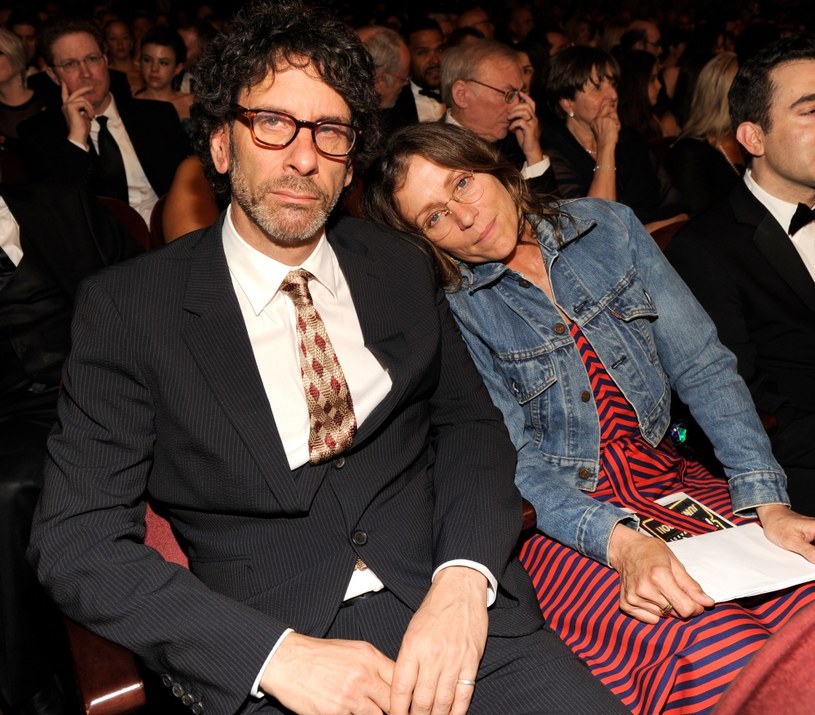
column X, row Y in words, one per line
column 500, row 69
column 68, row 42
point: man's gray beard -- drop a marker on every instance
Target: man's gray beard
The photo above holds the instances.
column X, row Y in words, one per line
column 292, row 225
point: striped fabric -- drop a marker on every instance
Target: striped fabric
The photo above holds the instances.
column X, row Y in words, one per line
column 676, row 667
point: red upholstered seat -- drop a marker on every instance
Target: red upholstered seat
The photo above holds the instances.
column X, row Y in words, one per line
column 778, row 678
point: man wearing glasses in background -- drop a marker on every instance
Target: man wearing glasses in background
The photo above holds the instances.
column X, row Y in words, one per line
column 121, row 148
column 481, row 83
column 292, row 393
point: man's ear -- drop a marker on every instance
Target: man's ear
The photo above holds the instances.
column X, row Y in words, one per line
column 219, row 148
column 460, row 93
column 751, row 137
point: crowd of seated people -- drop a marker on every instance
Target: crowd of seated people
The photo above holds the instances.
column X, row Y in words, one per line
column 624, row 108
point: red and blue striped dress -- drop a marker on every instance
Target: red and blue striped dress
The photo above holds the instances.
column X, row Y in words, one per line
column 677, row 667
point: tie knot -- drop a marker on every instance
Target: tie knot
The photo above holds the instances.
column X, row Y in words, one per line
column 803, row 216
column 295, row 285
column 102, row 120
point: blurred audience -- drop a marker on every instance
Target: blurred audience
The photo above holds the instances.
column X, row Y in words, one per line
column 119, row 45
column 638, row 92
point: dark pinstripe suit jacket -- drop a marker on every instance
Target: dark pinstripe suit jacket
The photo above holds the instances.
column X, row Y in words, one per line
column 162, row 395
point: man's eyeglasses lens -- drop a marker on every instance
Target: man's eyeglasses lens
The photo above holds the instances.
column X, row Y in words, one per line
column 440, row 222
column 510, row 95
column 277, row 130
column 72, row 66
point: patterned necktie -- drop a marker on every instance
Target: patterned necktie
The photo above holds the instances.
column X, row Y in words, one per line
column 112, row 177
column 330, row 407
column 803, row 216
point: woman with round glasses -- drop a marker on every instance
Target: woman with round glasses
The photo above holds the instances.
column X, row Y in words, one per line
column 580, row 328
column 591, row 153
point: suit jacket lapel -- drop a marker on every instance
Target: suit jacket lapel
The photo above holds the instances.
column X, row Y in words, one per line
column 219, row 344
column 775, row 245
column 368, row 282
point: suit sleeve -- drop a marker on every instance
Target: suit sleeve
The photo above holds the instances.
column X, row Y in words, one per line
column 86, row 541
column 711, row 283
column 478, row 507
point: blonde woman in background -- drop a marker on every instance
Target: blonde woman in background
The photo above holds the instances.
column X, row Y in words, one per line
column 706, row 160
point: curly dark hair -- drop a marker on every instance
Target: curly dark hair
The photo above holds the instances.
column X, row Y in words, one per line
column 751, row 94
column 268, row 34
column 452, row 147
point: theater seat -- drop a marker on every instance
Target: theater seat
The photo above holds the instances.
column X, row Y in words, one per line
column 778, row 678
column 132, row 221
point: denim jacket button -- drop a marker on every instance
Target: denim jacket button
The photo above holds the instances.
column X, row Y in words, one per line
column 583, row 473
column 585, row 396
column 560, row 328
column 515, row 386
column 524, row 283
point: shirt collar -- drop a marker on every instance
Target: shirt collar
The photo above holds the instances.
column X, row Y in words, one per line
column 259, row 276
column 782, row 211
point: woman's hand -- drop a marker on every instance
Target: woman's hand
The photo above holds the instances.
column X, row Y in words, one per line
column 606, row 125
column 652, row 578
column 788, row 529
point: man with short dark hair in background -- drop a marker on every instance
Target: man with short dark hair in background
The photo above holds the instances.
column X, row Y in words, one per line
column 750, row 260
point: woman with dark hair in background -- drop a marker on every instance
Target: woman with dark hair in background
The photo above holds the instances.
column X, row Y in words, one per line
column 638, row 91
column 579, row 327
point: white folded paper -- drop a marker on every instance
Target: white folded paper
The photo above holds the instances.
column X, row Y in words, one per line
column 739, row 562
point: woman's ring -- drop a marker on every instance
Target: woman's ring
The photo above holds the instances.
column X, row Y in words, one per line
column 665, row 610
column 464, row 681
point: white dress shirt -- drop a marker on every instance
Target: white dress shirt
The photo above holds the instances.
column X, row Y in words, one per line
column 270, row 320
column 782, row 211
column 10, row 234
column 427, row 108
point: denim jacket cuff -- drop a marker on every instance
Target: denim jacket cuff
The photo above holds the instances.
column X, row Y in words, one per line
column 595, row 527
column 753, row 489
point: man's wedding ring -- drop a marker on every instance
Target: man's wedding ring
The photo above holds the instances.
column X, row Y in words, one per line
column 464, row 681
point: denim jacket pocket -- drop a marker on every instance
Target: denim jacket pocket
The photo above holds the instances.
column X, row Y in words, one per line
column 632, row 304
column 528, row 375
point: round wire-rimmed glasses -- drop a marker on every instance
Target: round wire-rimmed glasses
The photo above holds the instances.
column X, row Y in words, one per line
column 276, row 130
column 440, row 221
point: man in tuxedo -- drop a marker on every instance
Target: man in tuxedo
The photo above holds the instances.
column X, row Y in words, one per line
column 51, row 237
column 293, row 394
column 750, row 259
column 420, row 100
column 481, row 83
column 391, row 60
column 125, row 149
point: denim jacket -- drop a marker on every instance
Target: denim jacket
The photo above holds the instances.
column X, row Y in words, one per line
column 611, row 279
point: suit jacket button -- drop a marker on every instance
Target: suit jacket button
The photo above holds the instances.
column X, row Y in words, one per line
column 167, row 681
column 339, row 463
column 197, row 708
column 360, row 538
column 178, row 690
column 188, row 699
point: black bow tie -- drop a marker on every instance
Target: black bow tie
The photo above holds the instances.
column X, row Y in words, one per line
column 803, row 216
column 432, row 93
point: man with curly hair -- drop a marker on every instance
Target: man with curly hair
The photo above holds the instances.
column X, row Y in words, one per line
column 358, row 560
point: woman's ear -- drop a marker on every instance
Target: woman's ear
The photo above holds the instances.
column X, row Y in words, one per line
column 567, row 105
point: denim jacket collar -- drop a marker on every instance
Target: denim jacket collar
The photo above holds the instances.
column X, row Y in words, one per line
column 477, row 276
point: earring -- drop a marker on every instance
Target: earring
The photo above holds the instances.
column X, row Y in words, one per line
column 571, row 114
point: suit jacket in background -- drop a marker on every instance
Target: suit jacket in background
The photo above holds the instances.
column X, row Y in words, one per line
column 743, row 268
column 153, row 127
column 164, row 398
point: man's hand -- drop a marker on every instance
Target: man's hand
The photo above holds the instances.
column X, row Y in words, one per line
column 443, row 643
column 314, row 676
column 652, row 578
column 523, row 122
column 788, row 529
column 78, row 113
